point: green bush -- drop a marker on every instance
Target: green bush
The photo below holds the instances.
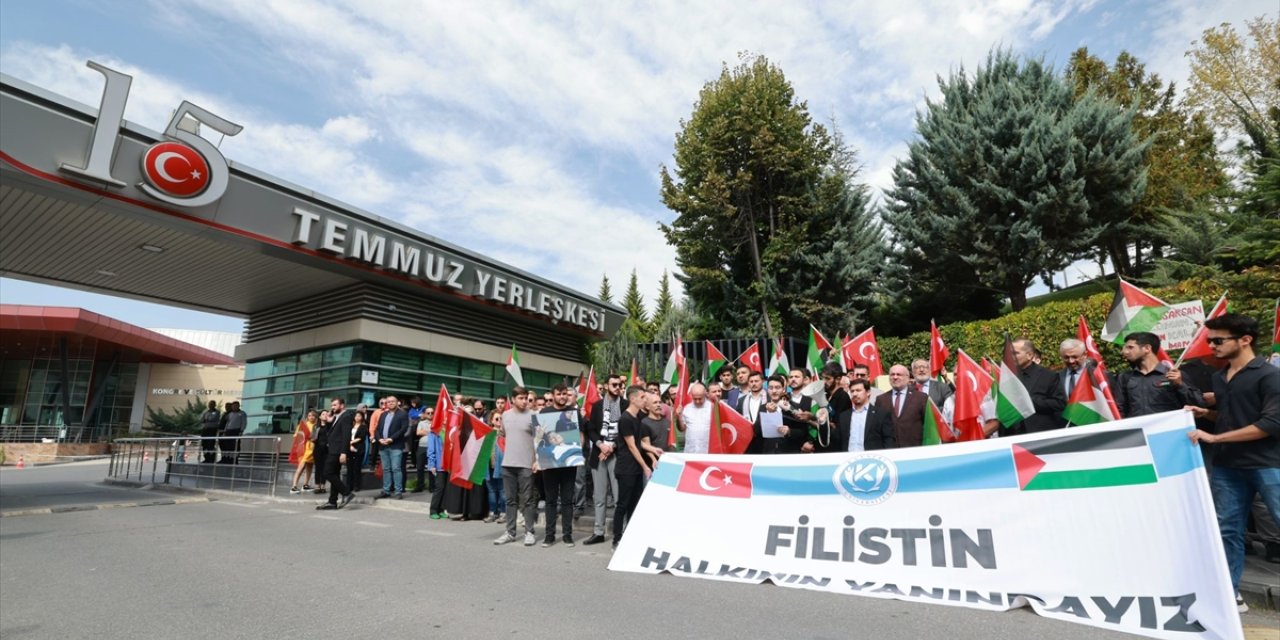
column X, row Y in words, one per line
column 1252, row 292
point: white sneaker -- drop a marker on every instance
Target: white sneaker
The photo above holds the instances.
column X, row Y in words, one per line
column 529, row 539
column 1240, row 603
column 505, row 538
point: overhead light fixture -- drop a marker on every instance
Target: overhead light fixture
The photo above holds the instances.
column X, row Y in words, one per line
column 104, row 272
column 152, row 248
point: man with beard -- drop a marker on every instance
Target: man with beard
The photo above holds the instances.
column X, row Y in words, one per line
column 339, row 440
column 1151, row 386
column 1046, row 393
column 602, row 435
column 557, row 482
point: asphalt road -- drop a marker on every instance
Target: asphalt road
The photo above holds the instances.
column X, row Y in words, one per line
column 257, row 569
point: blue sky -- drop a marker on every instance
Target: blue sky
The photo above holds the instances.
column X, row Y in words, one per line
column 534, row 133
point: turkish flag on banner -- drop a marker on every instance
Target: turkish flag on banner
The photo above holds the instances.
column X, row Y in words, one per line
column 751, row 357
column 721, row 479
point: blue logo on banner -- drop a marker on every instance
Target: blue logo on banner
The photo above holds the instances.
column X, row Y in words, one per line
column 866, row 479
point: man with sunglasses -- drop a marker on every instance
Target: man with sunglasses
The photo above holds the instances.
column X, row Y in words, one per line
column 1247, row 438
column 600, row 448
column 1151, row 386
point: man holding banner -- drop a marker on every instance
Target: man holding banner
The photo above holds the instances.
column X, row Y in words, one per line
column 1247, row 442
column 560, row 438
column 1151, row 386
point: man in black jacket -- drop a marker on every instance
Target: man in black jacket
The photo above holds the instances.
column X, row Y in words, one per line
column 600, row 449
column 339, row 439
column 393, row 424
column 1046, row 391
column 864, row 426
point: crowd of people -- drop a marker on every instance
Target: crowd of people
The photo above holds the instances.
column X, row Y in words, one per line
column 624, row 434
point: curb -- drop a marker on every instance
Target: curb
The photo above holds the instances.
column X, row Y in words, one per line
column 72, row 508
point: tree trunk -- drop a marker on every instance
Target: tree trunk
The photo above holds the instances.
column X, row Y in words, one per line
column 1118, row 250
column 759, row 268
column 1017, row 297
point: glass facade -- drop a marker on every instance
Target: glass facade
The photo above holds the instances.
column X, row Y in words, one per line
column 32, row 384
column 278, row 392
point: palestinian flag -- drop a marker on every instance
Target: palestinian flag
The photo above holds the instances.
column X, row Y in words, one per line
column 1132, row 310
column 715, row 362
column 1085, row 460
column 671, row 372
column 476, row 453
column 817, row 344
column 936, row 429
column 1275, row 330
column 730, row 431
column 1199, row 347
column 1088, row 403
column 1013, row 402
column 938, row 351
column 514, row 377
column 778, row 361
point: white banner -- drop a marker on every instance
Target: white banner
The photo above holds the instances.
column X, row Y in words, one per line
column 1179, row 324
column 1110, row 526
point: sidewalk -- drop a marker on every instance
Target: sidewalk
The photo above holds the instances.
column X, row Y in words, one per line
column 1260, row 582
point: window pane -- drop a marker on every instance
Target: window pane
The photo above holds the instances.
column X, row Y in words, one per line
column 286, row 364
column 474, row 369
column 339, row 356
column 257, row 369
column 309, row 361
column 307, row 381
column 477, row 389
column 337, row 377
column 397, row 380
column 439, row 363
column 400, row 357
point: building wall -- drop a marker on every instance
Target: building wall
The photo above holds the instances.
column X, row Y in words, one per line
column 170, row 386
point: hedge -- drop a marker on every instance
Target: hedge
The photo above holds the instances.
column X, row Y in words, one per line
column 1252, row 292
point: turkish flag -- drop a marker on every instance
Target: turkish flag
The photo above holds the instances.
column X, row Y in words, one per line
column 721, row 479
column 864, row 350
column 731, row 432
column 938, row 351
column 1199, row 347
column 973, row 385
column 589, row 393
column 751, row 357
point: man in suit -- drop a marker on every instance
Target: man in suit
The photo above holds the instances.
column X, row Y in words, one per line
column 791, row 435
column 339, row 440
column 863, row 426
column 1046, row 389
column 389, row 432
column 937, row 391
column 750, row 403
column 906, row 405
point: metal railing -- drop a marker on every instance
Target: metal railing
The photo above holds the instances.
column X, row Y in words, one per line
column 245, row 463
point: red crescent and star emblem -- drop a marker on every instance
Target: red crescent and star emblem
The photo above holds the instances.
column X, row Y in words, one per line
column 175, row 169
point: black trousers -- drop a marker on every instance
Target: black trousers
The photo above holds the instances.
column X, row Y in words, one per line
column 354, row 470
column 321, row 455
column 440, row 480
column 629, row 489
column 333, row 474
column 208, row 446
column 558, row 486
column 420, row 463
column 229, row 445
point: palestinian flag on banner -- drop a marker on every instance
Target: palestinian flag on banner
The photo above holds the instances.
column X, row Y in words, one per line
column 1088, row 403
column 1132, row 310
column 817, row 344
column 715, row 362
column 1199, row 347
column 778, row 361
column 1086, row 459
column 1013, row 402
column 474, row 461
column 588, row 393
column 936, row 429
column 514, row 377
column 731, row 432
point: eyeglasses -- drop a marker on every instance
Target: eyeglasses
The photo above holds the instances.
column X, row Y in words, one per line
column 1218, row 342
column 615, row 384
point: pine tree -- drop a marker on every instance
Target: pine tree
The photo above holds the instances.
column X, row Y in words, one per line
column 606, row 292
column 1008, row 178
column 663, row 303
column 637, row 322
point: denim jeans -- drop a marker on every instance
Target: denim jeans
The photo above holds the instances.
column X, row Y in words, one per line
column 497, row 499
column 1233, row 491
column 392, row 472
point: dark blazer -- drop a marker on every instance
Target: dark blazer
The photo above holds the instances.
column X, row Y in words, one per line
column 1048, row 399
column 340, row 432
column 797, row 435
column 940, row 391
column 399, row 427
column 908, row 426
column 591, row 431
column 878, row 433
column 1064, row 378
